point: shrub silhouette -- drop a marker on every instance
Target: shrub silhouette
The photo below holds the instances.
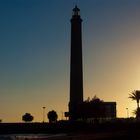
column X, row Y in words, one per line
column 52, row 116
column 27, row 117
column 93, row 108
column 137, row 113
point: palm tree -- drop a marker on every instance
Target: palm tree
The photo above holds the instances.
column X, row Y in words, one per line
column 137, row 113
column 135, row 95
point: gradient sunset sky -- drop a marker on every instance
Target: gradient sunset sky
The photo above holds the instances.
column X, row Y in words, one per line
column 35, row 54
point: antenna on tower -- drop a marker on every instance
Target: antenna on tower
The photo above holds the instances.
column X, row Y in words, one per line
column 75, row 2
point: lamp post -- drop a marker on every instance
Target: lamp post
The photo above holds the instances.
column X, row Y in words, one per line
column 43, row 113
column 62, row 115
column 127, row 112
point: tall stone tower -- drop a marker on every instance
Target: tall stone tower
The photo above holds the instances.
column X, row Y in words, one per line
column 76, row 70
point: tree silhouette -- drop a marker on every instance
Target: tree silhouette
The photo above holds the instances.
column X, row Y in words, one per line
column 93, row 108
column 52, row 116
column 135, row 95
column 27, row 117
column 137, row 113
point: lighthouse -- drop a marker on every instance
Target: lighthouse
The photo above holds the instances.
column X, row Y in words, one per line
column 76, row 65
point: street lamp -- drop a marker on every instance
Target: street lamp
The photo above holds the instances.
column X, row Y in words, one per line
column 62, row 115
column 127, row 112
column 43, row 113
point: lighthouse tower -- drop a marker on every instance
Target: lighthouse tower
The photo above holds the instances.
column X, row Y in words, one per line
column 76, row 68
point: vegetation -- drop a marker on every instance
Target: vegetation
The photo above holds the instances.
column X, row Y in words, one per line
column 27, row 117
column 137, row 113
column 92, row 108
column 135, row 95
column 52, row 116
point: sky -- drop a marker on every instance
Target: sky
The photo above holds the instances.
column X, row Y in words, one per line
column 35, row 55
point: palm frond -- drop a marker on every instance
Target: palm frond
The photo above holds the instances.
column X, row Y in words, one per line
column 135, row 95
